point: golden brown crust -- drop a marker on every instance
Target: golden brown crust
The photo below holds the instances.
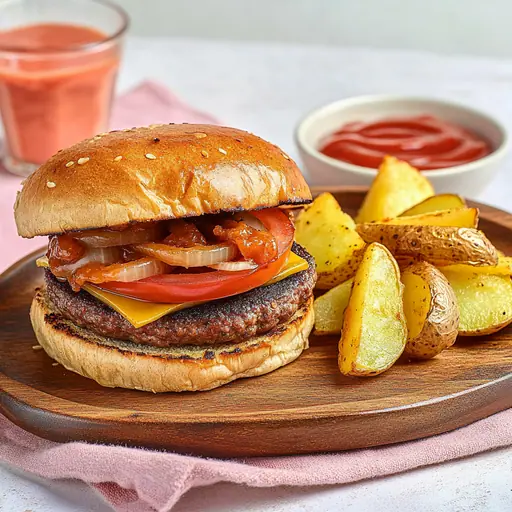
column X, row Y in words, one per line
column 114, row 363
column 441, row 325
column 439, row 245
column 165, row 171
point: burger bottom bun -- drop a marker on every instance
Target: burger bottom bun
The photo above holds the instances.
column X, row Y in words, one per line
column 115, row 363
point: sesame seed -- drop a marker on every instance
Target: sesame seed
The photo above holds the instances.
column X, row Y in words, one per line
column 199, row 135
column 150, row 156
column 223, row 151
column 82, row 161
column 155, row 125
column 55, row 364
column 156, row 139
column 37, row 347
column 98, row 137
column 286, row 156
column 204, row 153
column 50, row 184
column 70, row 163
column 117, row 158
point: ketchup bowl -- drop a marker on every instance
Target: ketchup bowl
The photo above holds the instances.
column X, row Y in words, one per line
column 457, row 130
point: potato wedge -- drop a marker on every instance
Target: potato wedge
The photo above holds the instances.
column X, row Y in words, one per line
column 329, row 235
column 435, row 204
column 374, row 328
column 485, row 301
column 397, row 187
column 503, row 268
column 439, row 245
column 330, row 309
column 430, row 309
column 462, row 218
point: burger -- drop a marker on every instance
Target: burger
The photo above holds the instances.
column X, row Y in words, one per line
column 171, row 262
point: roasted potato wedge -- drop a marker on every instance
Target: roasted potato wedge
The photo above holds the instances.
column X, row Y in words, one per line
column 439, row 245
column 397, row 187
column 329, row 235
column 485, row 301
column 462, row 218
column 430, row 309
column 503, row 268
column 330, row 309
column 374, row 328
column 435, row 204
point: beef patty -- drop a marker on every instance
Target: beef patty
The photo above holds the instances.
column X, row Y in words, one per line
column 232, row 319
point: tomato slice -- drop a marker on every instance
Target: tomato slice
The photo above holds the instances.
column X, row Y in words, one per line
column 176, row 288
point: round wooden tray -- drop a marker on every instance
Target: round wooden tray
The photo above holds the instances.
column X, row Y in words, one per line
column 305, row 407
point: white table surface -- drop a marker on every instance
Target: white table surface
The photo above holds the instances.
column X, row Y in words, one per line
column 267, row 88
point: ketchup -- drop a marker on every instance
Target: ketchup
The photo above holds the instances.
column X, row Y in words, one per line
column 259, row 246
column 64, row 249
column 424, row 141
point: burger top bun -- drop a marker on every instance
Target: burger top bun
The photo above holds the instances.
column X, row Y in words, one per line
column 155, row 173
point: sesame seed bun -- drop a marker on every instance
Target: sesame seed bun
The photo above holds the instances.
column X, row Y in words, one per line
column 155, row 173
column 116, row 363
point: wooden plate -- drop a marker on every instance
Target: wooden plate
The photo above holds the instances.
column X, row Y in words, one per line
column 303, row 408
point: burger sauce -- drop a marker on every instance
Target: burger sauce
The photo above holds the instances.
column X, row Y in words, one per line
column 425, row 142
column 56, row 85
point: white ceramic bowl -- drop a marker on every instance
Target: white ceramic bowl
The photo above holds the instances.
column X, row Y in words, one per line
column 468, row 180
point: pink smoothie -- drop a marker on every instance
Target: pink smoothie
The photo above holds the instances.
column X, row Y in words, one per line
column 56, row 85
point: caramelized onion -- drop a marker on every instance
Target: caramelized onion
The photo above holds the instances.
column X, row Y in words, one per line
column 197, row 256
column 119, row 272
column 109, row 237
column 98, row 255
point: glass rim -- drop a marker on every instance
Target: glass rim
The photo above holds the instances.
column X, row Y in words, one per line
column 125, row 22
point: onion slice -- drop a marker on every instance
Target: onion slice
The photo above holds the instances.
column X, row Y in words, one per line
column 128, row 236
column 135, row 270
column 98, row 255
column 197, row 256
column 235, row 266
column 250, row 220
column 119, row 272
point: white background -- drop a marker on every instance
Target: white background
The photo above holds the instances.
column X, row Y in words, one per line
column 477, row 27
column 267, row 88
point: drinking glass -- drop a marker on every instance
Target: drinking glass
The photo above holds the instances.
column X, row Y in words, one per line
column 58, row 65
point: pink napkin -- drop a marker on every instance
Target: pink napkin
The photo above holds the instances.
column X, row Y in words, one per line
column 137, row 480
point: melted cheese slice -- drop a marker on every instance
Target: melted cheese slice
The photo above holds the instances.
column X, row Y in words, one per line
column 140, row 313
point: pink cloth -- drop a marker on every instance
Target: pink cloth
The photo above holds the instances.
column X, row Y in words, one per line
column 136, row 480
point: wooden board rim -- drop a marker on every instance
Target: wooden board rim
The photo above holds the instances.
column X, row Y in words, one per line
column 64, row 423
column 312, row 412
